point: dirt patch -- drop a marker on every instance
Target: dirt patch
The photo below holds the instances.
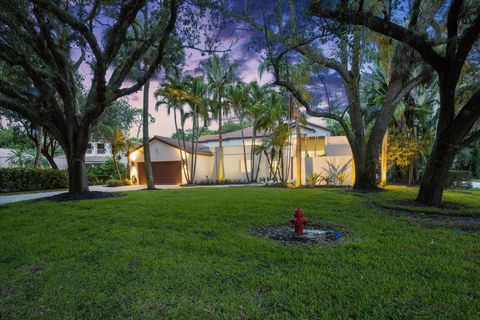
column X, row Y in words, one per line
column 316, row 232
column 84, row 196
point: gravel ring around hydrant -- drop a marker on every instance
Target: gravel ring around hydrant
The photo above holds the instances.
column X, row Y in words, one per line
column 334, row 234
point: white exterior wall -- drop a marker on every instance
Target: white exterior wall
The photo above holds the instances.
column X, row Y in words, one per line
column 233, row 161
column 337, row 149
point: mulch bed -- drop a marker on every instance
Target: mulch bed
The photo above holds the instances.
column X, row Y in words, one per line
column 463, row 222
column 286, row 234
column 443, row 205
column 84, row 196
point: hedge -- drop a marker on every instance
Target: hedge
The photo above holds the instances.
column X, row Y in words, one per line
column 459, row 179
column 27, row 179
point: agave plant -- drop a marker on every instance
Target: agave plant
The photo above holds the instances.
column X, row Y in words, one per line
column 313, row 178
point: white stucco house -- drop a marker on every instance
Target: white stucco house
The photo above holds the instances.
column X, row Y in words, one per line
column 320, row 152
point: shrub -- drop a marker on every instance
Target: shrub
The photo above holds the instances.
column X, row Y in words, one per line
column 459, row 179
column 329, row 179
column 118, row 183
column 107, row 170
column 215, row 182
column 29, row 179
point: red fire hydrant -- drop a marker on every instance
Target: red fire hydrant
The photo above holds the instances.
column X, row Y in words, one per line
column 299, row 221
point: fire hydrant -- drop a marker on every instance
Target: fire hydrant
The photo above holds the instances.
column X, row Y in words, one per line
column 299, row 221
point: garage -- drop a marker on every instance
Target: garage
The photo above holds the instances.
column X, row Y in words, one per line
column 164, row 172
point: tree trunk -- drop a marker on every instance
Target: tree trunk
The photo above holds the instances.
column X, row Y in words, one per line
column 50, row 159
column 127, row 155
column 38, row 154
column 245, row 152
column 146, row 143
column 115, row 162
column 220, row 177
column 365, row 173
column 77, row 172
column 436, row 171
column 298, row 154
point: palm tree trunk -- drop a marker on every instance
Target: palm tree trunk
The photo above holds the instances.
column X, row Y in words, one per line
column 146, row 139
column 39, row 144
column 298, row 154
column 252, row 155
column 178, row 141
column 184, row 152
column 116, row 167
column 244, row 150
column 193, row 155
column 220, row 176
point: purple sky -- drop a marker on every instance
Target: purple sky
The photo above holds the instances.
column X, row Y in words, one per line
column 248, row 61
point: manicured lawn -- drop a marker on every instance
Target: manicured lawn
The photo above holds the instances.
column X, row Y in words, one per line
column 188, row 253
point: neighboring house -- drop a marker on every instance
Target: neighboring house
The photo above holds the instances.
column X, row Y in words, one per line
column 97, row 152
column 319, row 151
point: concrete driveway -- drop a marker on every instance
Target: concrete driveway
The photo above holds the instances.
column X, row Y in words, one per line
column 38, row 195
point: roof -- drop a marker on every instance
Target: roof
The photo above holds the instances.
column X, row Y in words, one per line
column 201, row 148
column 248, row 133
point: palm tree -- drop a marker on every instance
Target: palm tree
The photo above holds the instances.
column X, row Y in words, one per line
column 20, row 159
column 116, row 139
column 219, row 71
column 172, row 94
column 196, row 96
column 240, row 102
column 298, row 75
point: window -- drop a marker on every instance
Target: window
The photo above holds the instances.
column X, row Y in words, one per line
column 100, row 148
column 242, row 165
column 89, row 148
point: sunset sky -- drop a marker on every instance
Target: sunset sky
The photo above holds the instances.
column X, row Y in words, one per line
column 245, row 56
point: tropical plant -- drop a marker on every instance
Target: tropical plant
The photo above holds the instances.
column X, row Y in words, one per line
column 313, row 178
column 177, row 94
column 336, row 174
column 219, row 71
column 20, row 159
column 116, row 140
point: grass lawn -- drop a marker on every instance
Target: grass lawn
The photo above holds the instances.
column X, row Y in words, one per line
column 188, row 253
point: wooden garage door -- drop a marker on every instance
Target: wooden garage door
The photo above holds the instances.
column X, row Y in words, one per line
column 164, row 172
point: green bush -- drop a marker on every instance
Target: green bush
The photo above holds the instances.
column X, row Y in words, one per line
column 29, row 179
column 106, row 170
column 459, row 179
column 118, row 183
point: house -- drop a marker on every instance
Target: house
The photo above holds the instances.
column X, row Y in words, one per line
column 97, row 152
column 321, row 153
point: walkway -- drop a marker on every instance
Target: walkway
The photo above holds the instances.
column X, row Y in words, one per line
column 39, row 195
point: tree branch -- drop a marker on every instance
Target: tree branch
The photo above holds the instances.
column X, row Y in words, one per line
column 413, row 39
column 159, row 56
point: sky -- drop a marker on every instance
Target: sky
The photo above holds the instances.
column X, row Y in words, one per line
column 245, row 56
